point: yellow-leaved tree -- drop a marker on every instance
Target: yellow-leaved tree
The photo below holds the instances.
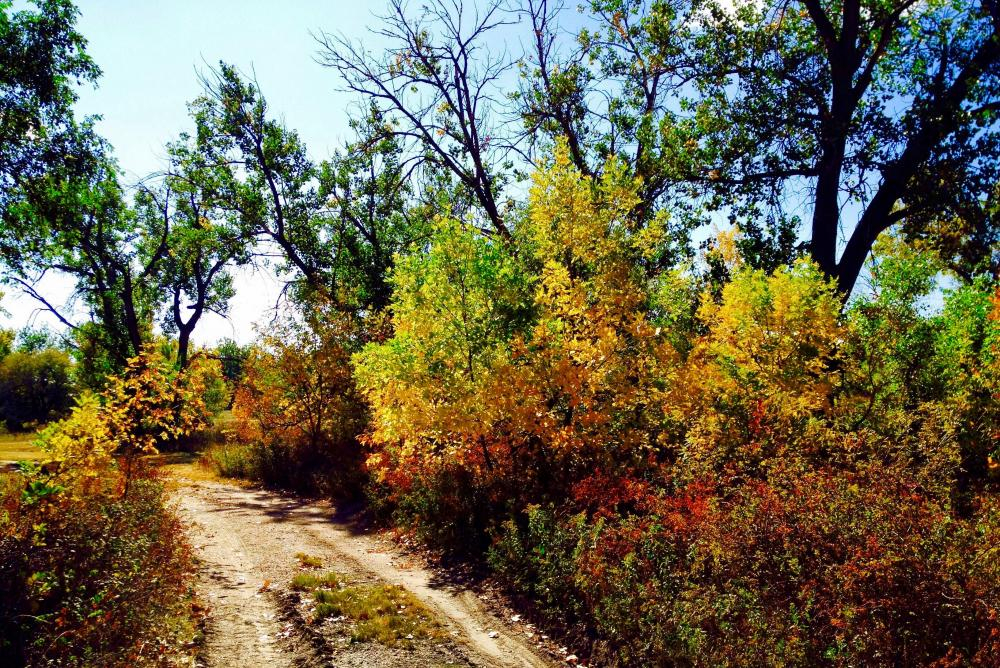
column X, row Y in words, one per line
column 150, row 403
column 513, row 373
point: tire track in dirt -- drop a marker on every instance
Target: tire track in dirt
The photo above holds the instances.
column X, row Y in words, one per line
column 247, row 538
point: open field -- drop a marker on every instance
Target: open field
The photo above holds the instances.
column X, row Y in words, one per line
column 15, row 447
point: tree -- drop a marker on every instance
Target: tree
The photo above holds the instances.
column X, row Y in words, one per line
column 35, row 387
column 84, row 228
column 265, row 175
column 852, row 116
column 370, row 214
column 858, row 114
column 232, row 356
column 42, row 58
column 298, row 406
column 204, row 237
column 607, row 92
column 337, row 225
column 35, row 339
column 443, row 89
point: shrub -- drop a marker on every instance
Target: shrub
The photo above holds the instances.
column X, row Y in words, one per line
column 741, row 475
column 93, row 565
column 90, row 579
column 298, row 409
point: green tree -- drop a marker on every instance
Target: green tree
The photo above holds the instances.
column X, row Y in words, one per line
column 35, row 387
column 370, row 216
column 267, row 177
column 84, row 228
column 42, row 59
column 204, row 238
column 338, row 224
column 856, row 115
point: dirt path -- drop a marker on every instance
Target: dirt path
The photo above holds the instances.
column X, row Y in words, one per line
column 247, row 540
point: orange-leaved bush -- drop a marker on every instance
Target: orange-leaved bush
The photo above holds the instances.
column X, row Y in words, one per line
column 297, row 409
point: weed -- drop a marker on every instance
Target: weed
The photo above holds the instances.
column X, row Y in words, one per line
column 308, row 561
column 310, row 582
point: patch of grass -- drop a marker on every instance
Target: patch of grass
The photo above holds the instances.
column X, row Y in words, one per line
column 308, row 561
column 383, row 613
column 310, row 582
column 387, row 614
column 185, row 466
column 17, row 447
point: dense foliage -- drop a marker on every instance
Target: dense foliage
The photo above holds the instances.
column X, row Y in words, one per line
column 35, row 387
column 723, row 479
column 782, row 449
column 297, row 409
column 95, row 569
column 90, row 580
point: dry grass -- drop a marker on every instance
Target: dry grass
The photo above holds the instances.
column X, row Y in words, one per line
column 377, row 612
column 16, row 447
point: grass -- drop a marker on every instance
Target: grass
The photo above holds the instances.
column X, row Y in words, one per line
column 377, row 612
column 308, row 561
column 15, row 447
column 191, row 467
column 214, row 458
column 310, row 582
column 230, row 460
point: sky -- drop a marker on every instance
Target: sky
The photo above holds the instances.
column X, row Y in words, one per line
column 150, row 54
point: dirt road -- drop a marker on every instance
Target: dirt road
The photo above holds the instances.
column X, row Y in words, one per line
column 247, row 540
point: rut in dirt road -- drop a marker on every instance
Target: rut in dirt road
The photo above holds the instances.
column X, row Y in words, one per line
column 247, row 540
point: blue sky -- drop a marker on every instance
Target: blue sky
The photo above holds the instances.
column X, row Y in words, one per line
column 150, row 53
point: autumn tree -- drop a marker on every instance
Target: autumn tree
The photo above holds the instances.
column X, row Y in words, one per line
column 297, row 406
column 499, row 359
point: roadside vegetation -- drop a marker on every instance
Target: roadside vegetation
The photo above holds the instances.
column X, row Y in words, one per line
column 684, row 322
column 371, row 611
column 94, row 565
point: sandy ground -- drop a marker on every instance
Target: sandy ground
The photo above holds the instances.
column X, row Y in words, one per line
column 247, row 540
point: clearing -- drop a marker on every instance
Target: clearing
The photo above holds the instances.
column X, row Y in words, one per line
column 248, row 540
column 16, row 447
